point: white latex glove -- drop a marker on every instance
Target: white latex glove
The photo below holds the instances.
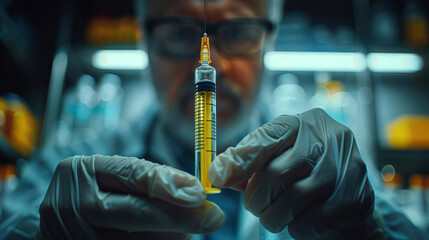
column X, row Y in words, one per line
column 304, row 171
column 124, row 198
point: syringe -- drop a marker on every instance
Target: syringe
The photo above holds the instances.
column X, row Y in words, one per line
column 205, row 116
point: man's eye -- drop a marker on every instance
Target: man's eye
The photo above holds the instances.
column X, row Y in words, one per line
column 241, row 39
column 236, row 35
column 181, row 41
column 182, row 35
column 242, row 33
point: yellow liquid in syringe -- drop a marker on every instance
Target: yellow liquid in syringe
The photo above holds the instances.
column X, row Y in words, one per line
column 205, row 136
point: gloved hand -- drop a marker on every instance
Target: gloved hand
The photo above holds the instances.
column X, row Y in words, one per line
column 304, row 171
column 124, row 198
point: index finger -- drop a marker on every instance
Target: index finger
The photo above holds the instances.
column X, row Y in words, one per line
column 256, row 150
column 141, row 177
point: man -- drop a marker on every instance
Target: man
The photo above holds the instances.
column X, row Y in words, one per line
column 302, row 171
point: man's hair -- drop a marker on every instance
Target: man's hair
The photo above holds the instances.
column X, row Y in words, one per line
column 275, row 10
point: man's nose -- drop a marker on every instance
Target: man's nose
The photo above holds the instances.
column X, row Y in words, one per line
column 221, row 63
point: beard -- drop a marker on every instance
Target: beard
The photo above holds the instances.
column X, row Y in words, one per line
column 232, row 115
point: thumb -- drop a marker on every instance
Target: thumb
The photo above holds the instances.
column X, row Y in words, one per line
column 256, row 150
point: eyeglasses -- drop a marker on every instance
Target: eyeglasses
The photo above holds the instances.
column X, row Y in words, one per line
column 179, row 37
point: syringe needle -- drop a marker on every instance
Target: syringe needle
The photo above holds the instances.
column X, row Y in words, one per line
column 205, row 16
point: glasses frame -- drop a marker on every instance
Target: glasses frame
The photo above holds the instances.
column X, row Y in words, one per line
column 212, row 28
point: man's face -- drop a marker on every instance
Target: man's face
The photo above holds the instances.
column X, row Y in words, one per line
column 238, row 75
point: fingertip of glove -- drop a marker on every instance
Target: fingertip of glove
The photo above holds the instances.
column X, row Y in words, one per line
column 214, row 218
column 174, row 186
column 193, row 197
column 216, row 172
column 271, row 228
column 283, row 126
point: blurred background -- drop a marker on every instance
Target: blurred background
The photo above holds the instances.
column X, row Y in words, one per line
column 72, row 67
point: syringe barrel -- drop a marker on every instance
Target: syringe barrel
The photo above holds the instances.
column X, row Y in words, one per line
column 205, row 123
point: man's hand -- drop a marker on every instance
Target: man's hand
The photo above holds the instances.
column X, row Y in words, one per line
column 304, row 171
column 124, row 198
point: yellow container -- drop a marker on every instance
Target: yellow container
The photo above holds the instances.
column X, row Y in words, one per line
column 409, row 132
